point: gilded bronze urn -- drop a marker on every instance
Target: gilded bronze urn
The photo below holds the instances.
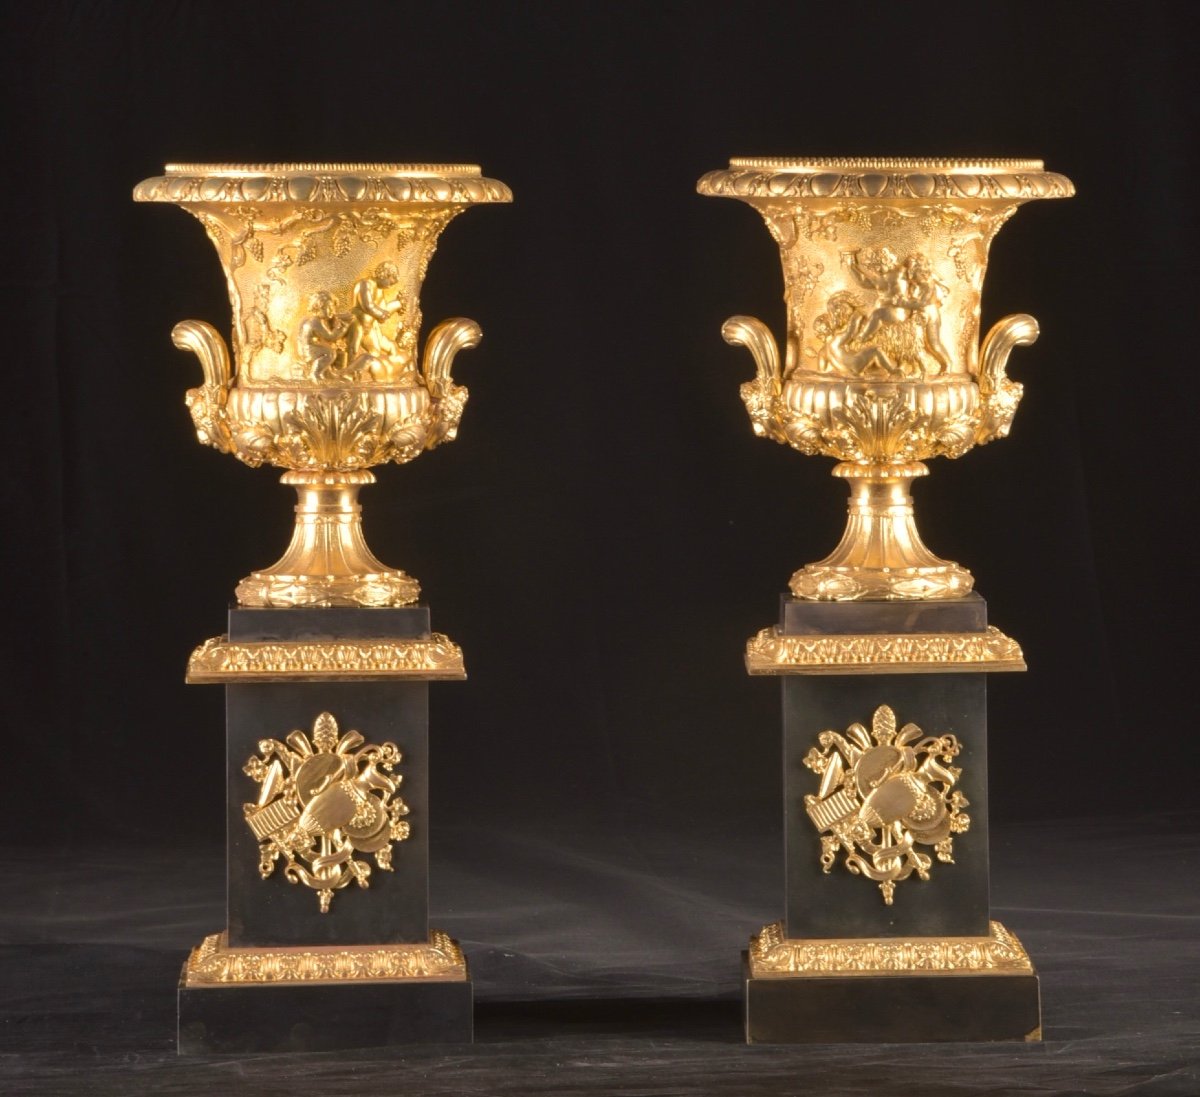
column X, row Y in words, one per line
column 883, row 265
column 324, row 264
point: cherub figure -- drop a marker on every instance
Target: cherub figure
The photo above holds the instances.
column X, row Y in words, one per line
column 908, row 301
column 322, row 337
column 924, row 296
column 879, row 270
column 368, row 347
column 841, row 326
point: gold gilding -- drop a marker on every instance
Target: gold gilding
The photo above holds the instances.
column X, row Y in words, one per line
column 773, row 652
column 324, row 264
column 774, row 956
column 219, row 660
column 882, row 796
column 214, row 963
column 324, row 797
column 883, row 264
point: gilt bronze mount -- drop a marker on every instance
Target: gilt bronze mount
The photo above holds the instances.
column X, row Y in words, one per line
column 324, row 264
column 883, row 265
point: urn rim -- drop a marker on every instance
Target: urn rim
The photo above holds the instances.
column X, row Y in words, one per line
column 980, row 179
column 945, row 165
column 322, row 183
column 322, row 167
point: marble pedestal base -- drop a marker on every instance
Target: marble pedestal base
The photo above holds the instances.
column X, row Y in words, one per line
column 329, row 1017
column 887, row 932
column 327, row 942
column 891, row 1009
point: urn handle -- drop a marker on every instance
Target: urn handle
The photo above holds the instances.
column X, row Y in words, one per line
column 445, row 341
column 999, row 394
column 756, row 337
column 207, row 403
column 205, row 342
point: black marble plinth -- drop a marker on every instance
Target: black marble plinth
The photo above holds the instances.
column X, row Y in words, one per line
column 799, row 617
column 838, row 904
column 395, row 906
column 274, row 912
column 326, row 1017
column 953, row 902
column 891, row 1009
column 328, row 623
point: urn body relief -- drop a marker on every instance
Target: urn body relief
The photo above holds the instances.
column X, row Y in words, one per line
column 884, row 366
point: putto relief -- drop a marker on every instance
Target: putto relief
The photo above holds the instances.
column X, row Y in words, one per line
column 907, row 310
column 893, row 327
column 360, row 343
column 325, row 297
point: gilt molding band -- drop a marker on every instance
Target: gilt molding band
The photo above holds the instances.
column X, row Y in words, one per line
column 771, row 652
column 785, row 178
column 214, row 963
column 324, row 184
column 772, row 955
column 219, row 660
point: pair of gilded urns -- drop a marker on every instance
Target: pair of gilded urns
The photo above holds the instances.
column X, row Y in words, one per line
column 883, row 264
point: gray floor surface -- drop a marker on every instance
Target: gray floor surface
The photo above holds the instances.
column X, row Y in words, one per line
column 610, row 966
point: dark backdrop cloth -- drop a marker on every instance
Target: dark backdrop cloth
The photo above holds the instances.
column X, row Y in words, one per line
column 606, row 531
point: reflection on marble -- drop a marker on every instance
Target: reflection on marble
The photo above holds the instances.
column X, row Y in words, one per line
column 608, row 964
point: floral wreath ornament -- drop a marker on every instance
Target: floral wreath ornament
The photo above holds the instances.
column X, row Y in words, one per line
column 884, row 794
column 321, row 800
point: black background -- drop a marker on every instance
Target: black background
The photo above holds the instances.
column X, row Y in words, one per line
column 606, row 532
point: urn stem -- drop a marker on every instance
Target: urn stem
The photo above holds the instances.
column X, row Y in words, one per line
column 328, row 562
column 881, row 554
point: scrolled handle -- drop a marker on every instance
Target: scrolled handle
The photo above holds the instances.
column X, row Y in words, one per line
column 762, row 395
column 1019, row 330
column 207, row 403
column 445, row 341
column 756, row 337
column 206, row 343
column 999, row 394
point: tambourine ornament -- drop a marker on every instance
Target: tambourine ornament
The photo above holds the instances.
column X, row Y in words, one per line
column 883, row 264
column 324, row 264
